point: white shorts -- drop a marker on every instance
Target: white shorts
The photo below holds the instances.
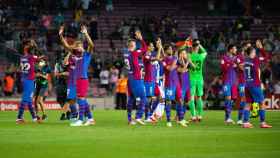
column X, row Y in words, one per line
column 160, row 89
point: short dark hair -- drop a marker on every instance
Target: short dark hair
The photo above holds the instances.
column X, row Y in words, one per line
column 249, row 50
column 166, row 46
column 195, row 43
column 230, row 47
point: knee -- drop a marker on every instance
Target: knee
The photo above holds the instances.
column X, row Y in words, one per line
column 71, row 102
column 37, row 100
column 149, row 99
column 153, row 99
column 41, row 98
column 199, row 98
column 168, row 102
column 228, row 98
column 192, row 98
column 247, row 107
column 161, row 100
column 262, row 106
column 179, row 102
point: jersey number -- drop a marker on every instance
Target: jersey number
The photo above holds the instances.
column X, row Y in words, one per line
column 25, row 67
column 197, row 67
column 248, row 73
column 127, row 64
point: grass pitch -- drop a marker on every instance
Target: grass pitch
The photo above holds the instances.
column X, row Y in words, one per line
column 112, row 137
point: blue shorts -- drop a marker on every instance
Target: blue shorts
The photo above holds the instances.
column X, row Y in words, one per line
column 28, row 90
column 254, row 94
column 230, row 91
column 71, row 92
column 241, row 90
column 150, row 89
column 137, row 88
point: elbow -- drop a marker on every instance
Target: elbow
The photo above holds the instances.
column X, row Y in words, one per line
column 91, row 45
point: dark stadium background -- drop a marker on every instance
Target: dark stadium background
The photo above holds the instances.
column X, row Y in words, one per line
column 215, row 22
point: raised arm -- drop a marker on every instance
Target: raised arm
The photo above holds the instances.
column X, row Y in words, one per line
column 202, row 51
column 66, row 59
column 62, row 39
column 33, row 44
column 160, row 49
column 88, row 38
column 190, row 61
column 144, row 47
column 263, row 57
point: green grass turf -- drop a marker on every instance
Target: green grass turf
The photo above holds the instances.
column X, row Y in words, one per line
column 112, row 137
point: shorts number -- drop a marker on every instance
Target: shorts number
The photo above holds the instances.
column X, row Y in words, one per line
column 225, row 88
column 242, row 89
column 169, row 92
column 68, row 92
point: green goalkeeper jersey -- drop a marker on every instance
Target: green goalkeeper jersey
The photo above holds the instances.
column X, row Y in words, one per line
column 196, row 73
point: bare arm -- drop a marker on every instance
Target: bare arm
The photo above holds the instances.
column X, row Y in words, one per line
column 88, row 38
column 62, row 39
column 66, row 59
column 263, row 57
column 183, row 65
column 202, row 50
column 159, row 47
column 181, row 69
column 144, row 48
column 33, row 44
column 190, row 61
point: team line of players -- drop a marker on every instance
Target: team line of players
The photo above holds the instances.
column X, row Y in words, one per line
column 168, row 78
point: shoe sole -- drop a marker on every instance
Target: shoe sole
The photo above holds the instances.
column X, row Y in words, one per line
column 141, row 123
column 183, row 125
column 76, row 125
column 229, row 123
column 265, row 127
column 91, row 124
